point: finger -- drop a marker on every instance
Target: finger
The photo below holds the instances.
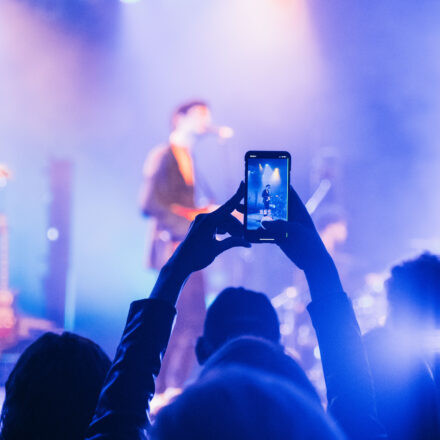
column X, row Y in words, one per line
column 240, row 208
column 232, row 226
column 276, row 226
column 231, row 242
column 281, row 226
column 231, row 204
column 199, row 218
column 297, row 232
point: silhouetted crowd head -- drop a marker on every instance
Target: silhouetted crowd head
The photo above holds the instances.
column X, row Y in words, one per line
column 53, row 389
column 264, row 356
column 413, row 291
column 242, row 403
column 237, row 312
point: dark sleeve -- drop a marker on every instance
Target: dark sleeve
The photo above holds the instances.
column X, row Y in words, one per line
column 347, row 375
column 122, row 410
column 155, row 196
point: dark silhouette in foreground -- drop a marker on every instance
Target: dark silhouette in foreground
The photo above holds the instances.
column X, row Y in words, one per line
column 247, row 405
column 237, row 312
column 264, row 356
column 52, row 391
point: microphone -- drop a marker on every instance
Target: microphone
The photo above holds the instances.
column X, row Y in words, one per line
column 223, row 131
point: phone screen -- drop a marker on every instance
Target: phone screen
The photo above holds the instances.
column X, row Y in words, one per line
column 267, row 191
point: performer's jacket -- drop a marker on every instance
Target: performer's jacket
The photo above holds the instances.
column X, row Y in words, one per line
column 122, row 410
column 163, row 186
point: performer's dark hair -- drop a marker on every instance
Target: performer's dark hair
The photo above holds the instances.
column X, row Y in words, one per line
column 184, row 108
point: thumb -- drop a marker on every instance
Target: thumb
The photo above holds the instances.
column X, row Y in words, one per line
column 231, row 242
column 295, row 229
column 277, row 226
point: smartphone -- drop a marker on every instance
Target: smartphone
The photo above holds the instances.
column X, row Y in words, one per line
column 267, row 179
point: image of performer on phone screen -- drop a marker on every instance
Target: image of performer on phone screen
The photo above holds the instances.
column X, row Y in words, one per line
column 266, row 200
column 267, row 191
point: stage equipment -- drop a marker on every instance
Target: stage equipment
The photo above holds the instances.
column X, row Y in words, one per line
column 8, row 320
column 58, row 234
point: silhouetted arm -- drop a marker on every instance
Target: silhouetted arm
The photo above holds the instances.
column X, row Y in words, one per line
column 122, row 410
column 346, row 371
column 123, row 405
column 347, row 375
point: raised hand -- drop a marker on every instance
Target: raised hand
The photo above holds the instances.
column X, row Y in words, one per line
column 200, row 247
column 304, row 247
column 303, row 244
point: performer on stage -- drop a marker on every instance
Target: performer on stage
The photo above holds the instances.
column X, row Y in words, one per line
column 168, row 197
column 266, row 200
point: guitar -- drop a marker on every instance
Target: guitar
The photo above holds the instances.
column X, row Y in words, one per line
column 8, row 319
column 5, row 173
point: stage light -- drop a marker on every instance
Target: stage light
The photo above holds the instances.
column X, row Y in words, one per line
column 291, row 292
column 275, row 179
column 129, row 1
column 53, row 234
column 286, row 329
column 316, row 353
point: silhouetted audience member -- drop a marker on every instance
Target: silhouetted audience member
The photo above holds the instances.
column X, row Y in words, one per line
column 400, row 353
column 413, row 292
column 52, row 391
column 122, row 410
column 242, row 328
column 237, row 312
column 263, row 355
column 236, row 404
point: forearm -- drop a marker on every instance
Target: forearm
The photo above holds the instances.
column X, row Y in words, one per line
column 346, row 370
column 323, row 278
column 121, row 413
column 170, row 282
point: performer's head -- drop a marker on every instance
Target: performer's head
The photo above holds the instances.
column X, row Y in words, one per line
column 268, row 187
column 192, row 117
